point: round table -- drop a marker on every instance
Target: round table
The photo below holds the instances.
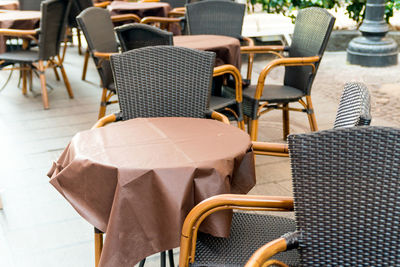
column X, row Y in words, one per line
column 227, row 48
column 137, row 180
column 15, row 19
column 144, row 9
column 9, row 4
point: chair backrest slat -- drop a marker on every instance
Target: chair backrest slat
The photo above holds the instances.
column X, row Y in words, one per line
column 346, row 185
column 312, row 30
column 136, row 35
column 52, row 27
column 97, row 26
column 215, row 17
column 163, row 81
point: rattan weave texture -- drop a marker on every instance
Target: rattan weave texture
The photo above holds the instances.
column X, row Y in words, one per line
column 248, row 233
column 347, row 190
column 163, row 81
column 135, row 35
column 354, row 107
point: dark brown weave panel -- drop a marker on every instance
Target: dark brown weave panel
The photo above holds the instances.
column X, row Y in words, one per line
column 311, row 34
column 347, row 196
column 163, row 81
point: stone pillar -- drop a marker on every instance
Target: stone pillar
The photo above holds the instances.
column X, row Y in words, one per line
column 373, row 49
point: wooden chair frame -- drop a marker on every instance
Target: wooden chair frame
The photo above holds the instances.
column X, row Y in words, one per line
column 261, row 256
column 223, row 202
column 26, row 69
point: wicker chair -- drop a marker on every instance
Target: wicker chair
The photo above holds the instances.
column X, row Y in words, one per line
column 30, row 4
column 97, row 26
column 133, row 36
column 311, row 34
column 48, row 38
column 346, row 187
column 161, row 81
column 251, row 231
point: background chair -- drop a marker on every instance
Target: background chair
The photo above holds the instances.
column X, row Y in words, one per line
column 251, row 231
column 311, row 34
column 97, row 26
column 30, row 4
column 161, row 81
column 346, row 188
column 48, row 37
column 132, row 36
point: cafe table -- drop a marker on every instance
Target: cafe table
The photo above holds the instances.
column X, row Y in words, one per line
column 137, row 180
column 15, row 19
column 142, row 9
column 9, row 5
column 227, row 49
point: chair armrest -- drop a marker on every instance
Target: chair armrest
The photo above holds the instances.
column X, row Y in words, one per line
column 148, row 20
column 125, row 17
column 223, row 202
column 104, row 55
column 291, row 61
column 219, row 117
column 271, row 149
column 105, row 120
column 259, row 49
column 284, row 243
column 230, row 69
column 20, row 33
column 102, row 4
column 176, row 13
column 250, row 42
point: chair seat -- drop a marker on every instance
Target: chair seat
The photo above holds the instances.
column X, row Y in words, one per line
column 20, row 56
column 111, row 87
column 275, row 93
column 217, row 102
column 248, row 233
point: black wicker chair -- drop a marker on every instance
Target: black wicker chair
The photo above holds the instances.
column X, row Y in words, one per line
column 251, row 231
column 48, row 38
column 30, row 4
column 311, row 34
column 133, row 36
column 346, row 189
column 220, row 18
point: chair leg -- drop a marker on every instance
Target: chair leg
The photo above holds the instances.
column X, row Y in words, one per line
column 253, row 129
column 56, row 73
column 65, row 78
column 311, row 115
column 98, row 245
column 45, row 98
column 103, row 104
column 171, row 258
column 24, row 72
column 30, row 79
column 78, row 35
column 285, row 120
column 85, row 64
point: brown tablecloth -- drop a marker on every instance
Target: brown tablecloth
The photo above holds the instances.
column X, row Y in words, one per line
column 26, row 20
column 9, row 5
column 227, row 48
column 137, row 180
column 145, row 9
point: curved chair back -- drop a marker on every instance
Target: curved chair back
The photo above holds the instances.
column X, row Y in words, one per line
column 346, row 189
column 354, row 107
column 176, row 3
column 311, row 34
column 215, row 17
column 136, row 35
column 97, row 26
column 163, row 81
column 52, row 27
column 30, row 4
column 77, row 6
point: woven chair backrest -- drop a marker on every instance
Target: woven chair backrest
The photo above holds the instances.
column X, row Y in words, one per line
column 136, row 35
column 163, row 81
column 77, row 6
column 30, row 4
column 312, row 30
column 346, row 185
column 97, row 26
column 176, row 3
column 215, row 17
column 53, row 24
column 354, row 107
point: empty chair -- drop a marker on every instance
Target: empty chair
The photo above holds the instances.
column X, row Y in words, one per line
column 251, row 231
column 132, row 36
column 48, row 37
column 346, row 189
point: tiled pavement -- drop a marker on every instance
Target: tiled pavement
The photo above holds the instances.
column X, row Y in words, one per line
column 39, row 228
